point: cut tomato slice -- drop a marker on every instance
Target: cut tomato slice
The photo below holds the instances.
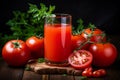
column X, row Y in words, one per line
column 80, row 59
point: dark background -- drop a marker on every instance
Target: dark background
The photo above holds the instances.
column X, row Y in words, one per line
column 104, row 14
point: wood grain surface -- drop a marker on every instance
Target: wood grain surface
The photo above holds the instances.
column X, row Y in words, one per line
column 43, row 68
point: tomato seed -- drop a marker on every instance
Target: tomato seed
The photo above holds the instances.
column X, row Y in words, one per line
column 84, row 61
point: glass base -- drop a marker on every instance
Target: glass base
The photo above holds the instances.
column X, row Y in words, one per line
column 59, row 64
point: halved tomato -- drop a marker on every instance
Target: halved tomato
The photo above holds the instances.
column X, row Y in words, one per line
column 80, row 59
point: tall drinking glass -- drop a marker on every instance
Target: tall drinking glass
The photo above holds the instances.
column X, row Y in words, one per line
column 57, row 39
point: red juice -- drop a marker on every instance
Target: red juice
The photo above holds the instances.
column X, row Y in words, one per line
column 57, row 40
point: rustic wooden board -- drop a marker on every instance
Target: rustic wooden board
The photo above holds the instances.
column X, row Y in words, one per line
column 42, row 68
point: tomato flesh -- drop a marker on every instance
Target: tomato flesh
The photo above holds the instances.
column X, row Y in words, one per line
column 80, row 59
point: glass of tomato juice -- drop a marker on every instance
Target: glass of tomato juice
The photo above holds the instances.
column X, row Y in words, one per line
column 57, row 39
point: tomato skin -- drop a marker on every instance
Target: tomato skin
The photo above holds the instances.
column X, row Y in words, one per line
column 104, row 54
column 102, row 72
column 16, row 56
column 80, row 59
column 36, row 46
column 95, row 35
column 99, row 73
column 96, row 74
column 87, row 73
column 89, row 69
column 77, row 41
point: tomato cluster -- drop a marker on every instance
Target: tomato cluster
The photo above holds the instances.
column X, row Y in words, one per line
column 103, row 53
column 18, row 52
column 88, row 48
column 96, row 73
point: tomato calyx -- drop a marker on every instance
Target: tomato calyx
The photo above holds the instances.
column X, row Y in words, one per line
column 94, row 34
column 16, row 53
column 92, row 28
column 39, row 36
column 16, row 44
column 90, row 39
column 99, row 37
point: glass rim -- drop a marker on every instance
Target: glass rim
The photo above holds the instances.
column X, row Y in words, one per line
column 58, row 15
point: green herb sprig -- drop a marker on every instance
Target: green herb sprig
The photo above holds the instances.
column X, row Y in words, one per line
column 40, row 60
column 28, row 23
column 79, row 28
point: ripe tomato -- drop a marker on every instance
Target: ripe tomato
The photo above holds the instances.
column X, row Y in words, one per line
column 77, row 42
column 104, row 54
column 36, row 45
column 96, row 74
column 87, row 73
column 95, row 35
column 80, row 59
column 102, row 72
column 16, row 53
column 89, row 69
column 90, row 73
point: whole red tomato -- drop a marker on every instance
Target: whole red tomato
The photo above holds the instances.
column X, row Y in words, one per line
column 16, row 53
column 96, row 74
column 102, row 72
column 104, row 54
column 87, row 72
column 80, row 59
column 36, row 45
column 78, row 42
column 95, row 35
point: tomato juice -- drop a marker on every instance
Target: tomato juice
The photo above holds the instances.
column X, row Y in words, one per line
column 57, row 40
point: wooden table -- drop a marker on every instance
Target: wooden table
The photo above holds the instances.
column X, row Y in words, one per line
column 12, row 73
